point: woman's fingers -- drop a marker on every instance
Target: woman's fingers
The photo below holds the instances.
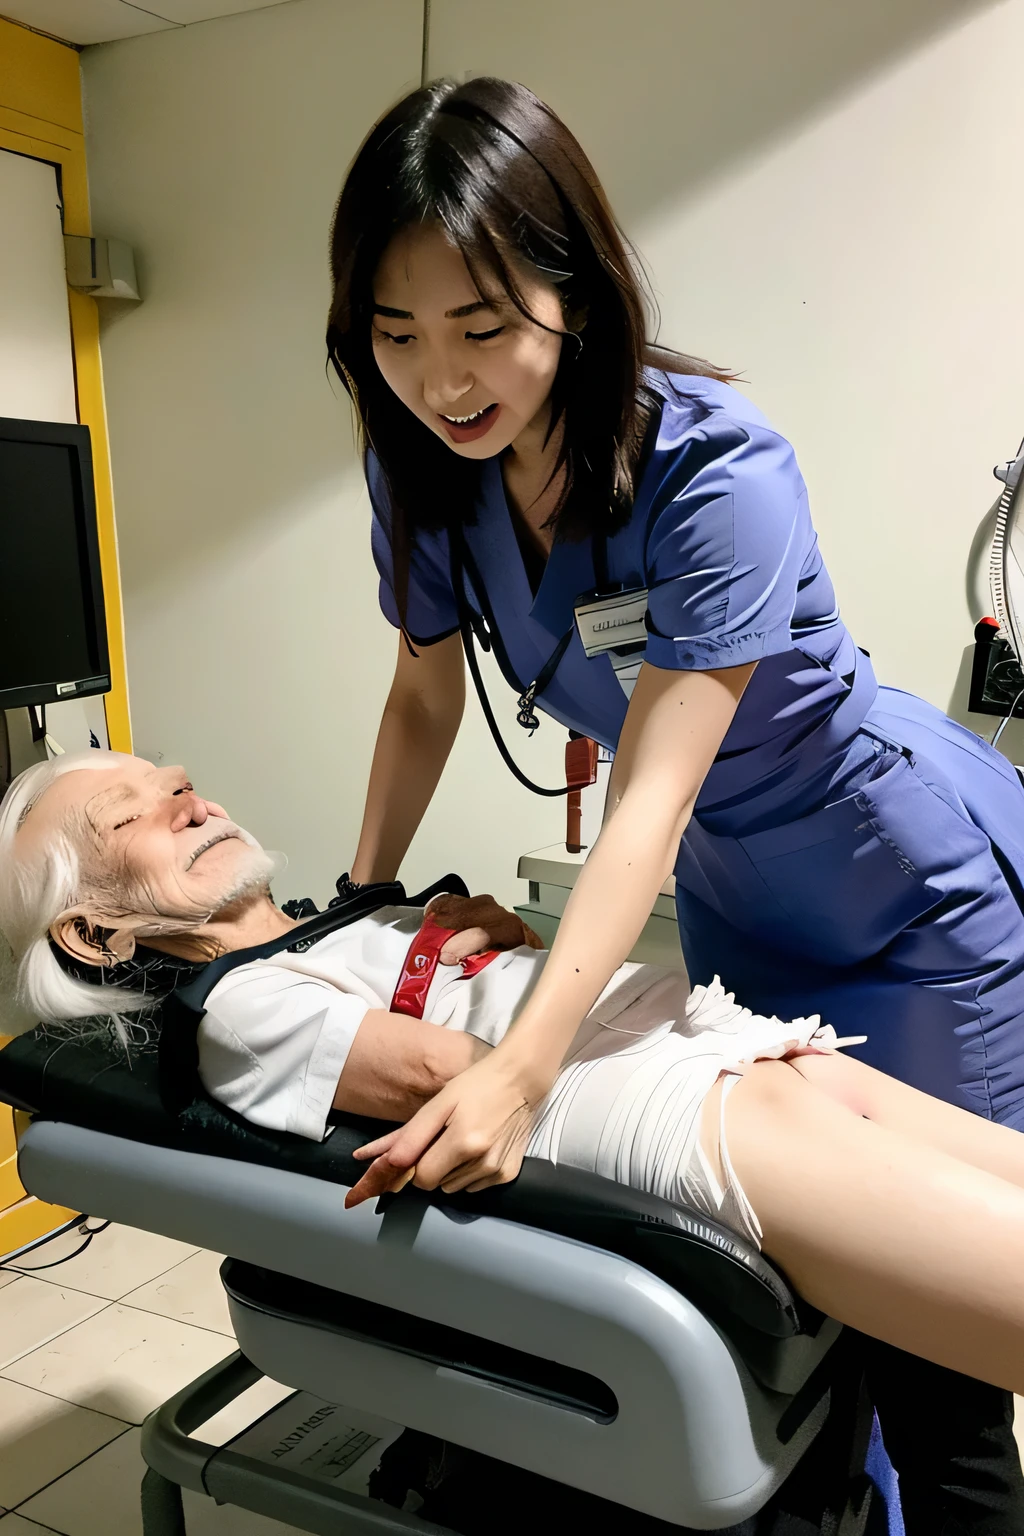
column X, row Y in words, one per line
column 379, row 1179
column 376, row 1148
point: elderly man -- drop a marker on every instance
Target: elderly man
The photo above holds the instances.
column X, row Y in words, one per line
column 102, row 853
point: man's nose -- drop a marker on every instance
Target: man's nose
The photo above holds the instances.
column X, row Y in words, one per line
column 187, row 810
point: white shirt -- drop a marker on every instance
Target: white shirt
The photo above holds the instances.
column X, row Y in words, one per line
column 277, row 1032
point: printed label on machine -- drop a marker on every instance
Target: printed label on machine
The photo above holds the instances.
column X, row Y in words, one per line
column 319, row 1440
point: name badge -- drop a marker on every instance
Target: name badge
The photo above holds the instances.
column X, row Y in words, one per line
column 613, row 622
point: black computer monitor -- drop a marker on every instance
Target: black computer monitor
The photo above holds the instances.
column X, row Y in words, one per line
column 53, row 635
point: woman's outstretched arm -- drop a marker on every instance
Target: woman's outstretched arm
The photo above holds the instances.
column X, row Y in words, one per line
column 418, row 727
column 882, row 1227
column 475, row 1131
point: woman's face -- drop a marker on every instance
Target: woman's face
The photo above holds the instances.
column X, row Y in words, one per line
column 471, row 366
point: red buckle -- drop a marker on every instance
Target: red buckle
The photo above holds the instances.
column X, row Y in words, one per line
column 420, row 964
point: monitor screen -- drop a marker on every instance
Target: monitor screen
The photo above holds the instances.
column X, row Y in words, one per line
column 52, row 627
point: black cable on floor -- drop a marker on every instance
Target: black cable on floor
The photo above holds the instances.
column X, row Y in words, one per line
column 30, row 1269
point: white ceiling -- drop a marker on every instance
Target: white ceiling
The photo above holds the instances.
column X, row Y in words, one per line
column 101, row 21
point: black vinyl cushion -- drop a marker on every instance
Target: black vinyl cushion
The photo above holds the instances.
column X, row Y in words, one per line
column 96, row 1085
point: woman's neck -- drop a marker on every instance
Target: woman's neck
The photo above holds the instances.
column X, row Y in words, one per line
column 532, row 488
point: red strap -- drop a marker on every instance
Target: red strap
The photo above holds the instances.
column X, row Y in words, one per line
column 420, row 964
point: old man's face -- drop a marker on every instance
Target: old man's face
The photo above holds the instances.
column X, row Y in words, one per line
column 148, row 844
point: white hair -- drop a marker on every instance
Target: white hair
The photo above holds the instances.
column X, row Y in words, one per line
column 33, row 894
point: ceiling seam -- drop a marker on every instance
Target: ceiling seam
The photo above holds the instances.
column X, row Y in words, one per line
column 155, row 14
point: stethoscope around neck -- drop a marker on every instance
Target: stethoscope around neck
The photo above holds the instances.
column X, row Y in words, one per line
column 607, row 620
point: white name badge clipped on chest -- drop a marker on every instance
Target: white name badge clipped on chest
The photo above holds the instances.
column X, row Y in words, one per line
column 612, row 622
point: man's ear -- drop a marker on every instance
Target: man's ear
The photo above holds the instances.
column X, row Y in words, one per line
column 81, row 937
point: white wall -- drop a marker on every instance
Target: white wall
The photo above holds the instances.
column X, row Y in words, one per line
column 256, row 651
column 825, row 196
column 37, row 370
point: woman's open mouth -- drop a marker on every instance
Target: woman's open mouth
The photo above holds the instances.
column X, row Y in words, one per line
column 466, row 429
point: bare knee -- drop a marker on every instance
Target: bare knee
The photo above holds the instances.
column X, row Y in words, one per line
column 846, row 1081
column 793, row 1098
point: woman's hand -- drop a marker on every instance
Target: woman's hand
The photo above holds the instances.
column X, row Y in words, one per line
column 470, row 1135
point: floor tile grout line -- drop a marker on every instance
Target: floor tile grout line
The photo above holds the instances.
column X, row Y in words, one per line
column 84, row 1407
column 40, row 1524
column 68, row 1470
column 69, row 1329
column 151, row 1281
column 148, row 1312
column 68, row 1403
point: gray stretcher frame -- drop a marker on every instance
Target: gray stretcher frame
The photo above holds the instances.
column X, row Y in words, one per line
column 696, row 1438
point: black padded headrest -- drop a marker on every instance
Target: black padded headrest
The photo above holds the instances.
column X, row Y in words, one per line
column 95, row 1084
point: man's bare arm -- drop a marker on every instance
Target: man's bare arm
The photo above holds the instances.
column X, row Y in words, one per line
column 396, row 1064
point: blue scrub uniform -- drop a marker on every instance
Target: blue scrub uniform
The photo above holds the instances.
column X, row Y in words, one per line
column 853, row 852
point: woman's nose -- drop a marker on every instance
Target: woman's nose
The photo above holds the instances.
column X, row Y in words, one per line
column 444, row 387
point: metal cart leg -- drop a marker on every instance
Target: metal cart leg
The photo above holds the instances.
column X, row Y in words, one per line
column 163, row 1513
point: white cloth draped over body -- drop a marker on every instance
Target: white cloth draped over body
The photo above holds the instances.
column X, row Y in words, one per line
column 626, row 1104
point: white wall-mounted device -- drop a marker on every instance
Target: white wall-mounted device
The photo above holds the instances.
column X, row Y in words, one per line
column 103, row 268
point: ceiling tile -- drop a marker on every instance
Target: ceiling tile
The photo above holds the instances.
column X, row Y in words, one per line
column 185, row 11
column 86, row 21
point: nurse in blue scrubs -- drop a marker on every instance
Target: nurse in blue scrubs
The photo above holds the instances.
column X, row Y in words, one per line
column 838, row 847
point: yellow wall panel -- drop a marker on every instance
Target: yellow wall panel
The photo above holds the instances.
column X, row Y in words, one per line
column 11, row 1188
column 41, row 115
column 40, row 77
column 27, row 1220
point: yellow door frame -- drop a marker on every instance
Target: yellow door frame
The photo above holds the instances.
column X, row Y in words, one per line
column 41, row 116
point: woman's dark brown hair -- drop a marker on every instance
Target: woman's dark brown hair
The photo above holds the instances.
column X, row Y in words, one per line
column 502, row 176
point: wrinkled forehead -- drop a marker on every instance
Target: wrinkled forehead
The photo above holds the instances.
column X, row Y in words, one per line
column 81, row 798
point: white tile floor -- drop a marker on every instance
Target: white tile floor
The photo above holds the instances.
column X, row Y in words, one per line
column 86, row 1351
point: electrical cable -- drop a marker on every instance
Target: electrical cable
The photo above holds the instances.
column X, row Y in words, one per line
column 31, row 1269
column 1004, row 722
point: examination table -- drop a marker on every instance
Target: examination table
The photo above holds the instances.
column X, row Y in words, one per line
column 569, row 1328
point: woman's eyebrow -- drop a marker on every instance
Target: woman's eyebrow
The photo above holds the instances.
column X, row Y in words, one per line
column 467, row 309
column 450, row 314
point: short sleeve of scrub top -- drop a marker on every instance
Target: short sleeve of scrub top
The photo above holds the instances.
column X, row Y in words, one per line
column 430, row 605
column 729, row 546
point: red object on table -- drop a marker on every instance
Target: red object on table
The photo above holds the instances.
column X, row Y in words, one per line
column 420, row 964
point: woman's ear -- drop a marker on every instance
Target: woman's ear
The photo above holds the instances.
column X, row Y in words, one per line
column 84, row 940
column 576, row 317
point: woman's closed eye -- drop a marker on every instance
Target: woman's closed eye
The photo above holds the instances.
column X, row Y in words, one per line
column 484, row 335
column 399, row 340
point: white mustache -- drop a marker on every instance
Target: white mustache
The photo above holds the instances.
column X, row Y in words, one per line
column 224, row 830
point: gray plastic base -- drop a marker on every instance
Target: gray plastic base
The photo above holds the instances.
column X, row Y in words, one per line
column 696, row 1440
column 176, row 1460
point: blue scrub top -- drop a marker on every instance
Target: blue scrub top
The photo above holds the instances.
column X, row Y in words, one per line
column 721, row 536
